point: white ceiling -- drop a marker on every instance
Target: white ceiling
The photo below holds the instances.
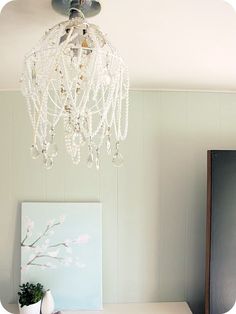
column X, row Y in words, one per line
column 167, row 44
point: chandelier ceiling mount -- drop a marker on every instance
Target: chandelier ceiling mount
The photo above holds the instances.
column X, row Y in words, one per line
column 89, row 8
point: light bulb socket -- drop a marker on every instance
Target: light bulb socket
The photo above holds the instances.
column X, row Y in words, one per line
column 75, row 9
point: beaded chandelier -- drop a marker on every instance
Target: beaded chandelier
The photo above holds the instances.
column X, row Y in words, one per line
column 76, row 76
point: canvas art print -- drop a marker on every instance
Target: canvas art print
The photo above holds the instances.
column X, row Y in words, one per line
column 61, row 248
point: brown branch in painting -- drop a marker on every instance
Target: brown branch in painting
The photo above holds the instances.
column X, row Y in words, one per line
column 59, row 244
column 45, row 232
column 25, row 238
column 32, row 245
column 43, row 256
column 29, row 263
column 40, row 265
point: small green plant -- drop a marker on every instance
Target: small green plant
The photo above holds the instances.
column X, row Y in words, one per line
column 30, row 293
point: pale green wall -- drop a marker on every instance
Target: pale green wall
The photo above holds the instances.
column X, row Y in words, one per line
column 154, row 207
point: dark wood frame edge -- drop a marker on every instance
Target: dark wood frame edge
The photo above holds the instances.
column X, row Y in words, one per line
column 208, row 232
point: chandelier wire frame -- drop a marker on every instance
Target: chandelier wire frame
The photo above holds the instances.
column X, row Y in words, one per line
column 76, row 76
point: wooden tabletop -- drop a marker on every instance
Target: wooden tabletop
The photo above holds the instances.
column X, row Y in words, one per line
column 131, row 308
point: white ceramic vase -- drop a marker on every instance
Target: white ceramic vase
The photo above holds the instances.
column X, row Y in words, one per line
column 2, row 310
column 47, row 303
column 30, row 309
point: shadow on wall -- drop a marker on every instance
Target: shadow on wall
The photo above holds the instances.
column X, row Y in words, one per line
column 5, row 286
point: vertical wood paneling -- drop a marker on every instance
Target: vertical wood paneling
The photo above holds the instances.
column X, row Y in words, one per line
column 227, row 121
column 81, row 183
column 173, row 143
column 151, row 195
column 203, row 130
column 131, row 229
column 5, row 170
column 108, row 197
column 5, row 197
column 153, row 208
column 28, row 181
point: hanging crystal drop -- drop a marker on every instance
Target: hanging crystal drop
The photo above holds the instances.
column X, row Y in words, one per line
column 90, row 160
column 108, row 145
column 48, row 163
column 34, row 151
column 76, row 158
column 109, row 140
column 33, row 74
column 51, row 134
column 97, row 161
column 52, row 150
column 117, row 159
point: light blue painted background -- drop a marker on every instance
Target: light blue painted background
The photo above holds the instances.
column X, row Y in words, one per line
column 72, row 287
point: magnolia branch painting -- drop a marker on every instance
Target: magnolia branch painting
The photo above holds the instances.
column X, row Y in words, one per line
column 61, row 248
column 44, row 252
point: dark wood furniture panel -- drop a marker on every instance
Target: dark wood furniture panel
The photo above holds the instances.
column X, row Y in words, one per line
column 220, row 287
